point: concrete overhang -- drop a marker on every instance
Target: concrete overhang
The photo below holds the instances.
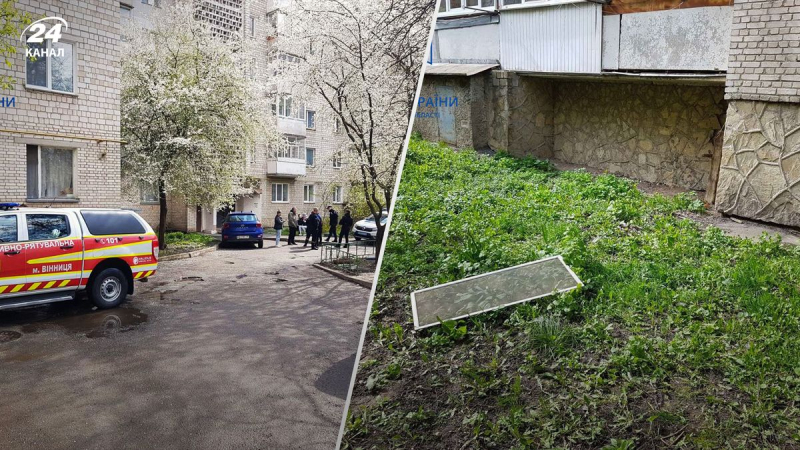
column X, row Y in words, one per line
column 692, row 79
column 464, row 70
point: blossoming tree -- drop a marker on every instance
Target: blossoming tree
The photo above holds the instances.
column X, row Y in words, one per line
column 188, row 113
column 12, row 23
column 363, row 58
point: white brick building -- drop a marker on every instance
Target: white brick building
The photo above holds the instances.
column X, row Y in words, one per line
column 304, row 173
column 60, row 141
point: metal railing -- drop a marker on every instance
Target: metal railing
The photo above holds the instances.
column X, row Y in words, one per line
column 350, row 257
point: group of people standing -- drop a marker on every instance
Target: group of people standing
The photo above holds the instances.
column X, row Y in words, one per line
column 312, row 226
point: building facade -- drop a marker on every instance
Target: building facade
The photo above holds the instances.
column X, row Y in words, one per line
column 643, row 89
column 60, row 122
column 303, row 171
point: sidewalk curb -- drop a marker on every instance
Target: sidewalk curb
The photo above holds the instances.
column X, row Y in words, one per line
column 187, row 255
column 358, row 281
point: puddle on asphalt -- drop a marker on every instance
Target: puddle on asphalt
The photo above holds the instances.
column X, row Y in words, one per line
column 336, row 380
column 8, row 336
column 239, row 277
column 75, row 318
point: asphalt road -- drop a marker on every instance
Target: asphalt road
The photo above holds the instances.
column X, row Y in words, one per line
column 240, row 348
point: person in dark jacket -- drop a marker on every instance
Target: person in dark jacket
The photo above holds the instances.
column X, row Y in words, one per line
column 347, row 225
column 293, row 226
column 278, row 226
column 333, row 217
column 314, row 229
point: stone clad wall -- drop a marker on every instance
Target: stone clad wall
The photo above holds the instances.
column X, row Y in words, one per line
column 760, row 170
column 429, row 126
column 760, row 167
column 656, row 133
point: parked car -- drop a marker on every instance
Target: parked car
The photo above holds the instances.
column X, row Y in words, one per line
column 52, row 254
column 366, row 228
column 242, row 227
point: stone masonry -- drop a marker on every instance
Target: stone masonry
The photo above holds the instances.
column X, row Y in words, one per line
column 86, row 121
column 656, row 133
column 661, row 133
column 760, row 168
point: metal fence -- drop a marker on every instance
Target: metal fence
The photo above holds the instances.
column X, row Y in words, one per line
column 350, row 256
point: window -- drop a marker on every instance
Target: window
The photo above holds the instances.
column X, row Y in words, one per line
column 310, row 156
column 125, row 11
column 42, row 227
column 337, row 194
column 286, row 107
column 308, row 193
column 8, row 228
column 104, row 223
column 252, row 26
column 238, row 218
column 51, row 66
column 337, row 160
column 280, row 193
column 148, row 192
column 337, row 126
column 311, row 120
column 50, row 172
column 467, row 6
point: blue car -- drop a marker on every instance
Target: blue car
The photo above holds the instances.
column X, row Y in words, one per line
column 242, row 227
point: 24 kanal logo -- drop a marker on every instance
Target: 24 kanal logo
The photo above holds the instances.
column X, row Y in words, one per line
column 37, row 33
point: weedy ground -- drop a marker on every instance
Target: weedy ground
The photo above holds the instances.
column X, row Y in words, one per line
column 681, row 337
column 179, row 242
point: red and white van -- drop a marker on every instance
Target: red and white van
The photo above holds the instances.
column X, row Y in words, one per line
column 50, row 254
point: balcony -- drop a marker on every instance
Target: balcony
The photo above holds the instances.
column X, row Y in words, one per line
column 286, row 167
column 291, row 125
column 288, row 159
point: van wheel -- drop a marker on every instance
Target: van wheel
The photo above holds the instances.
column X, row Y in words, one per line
column 109, row 288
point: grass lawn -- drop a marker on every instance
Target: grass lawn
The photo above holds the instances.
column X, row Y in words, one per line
column 179, row 242
column 681, row 337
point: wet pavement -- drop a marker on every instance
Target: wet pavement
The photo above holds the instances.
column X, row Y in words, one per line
column 240, row 348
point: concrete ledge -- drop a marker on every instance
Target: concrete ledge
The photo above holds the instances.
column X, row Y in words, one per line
column 186, row 255
column 344, row 276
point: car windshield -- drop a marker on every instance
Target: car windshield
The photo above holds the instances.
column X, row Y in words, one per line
column 242, row 218
column 372, row 218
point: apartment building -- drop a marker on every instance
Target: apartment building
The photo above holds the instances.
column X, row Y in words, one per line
column 305, row 170
column 686, row 94
column 60, row 122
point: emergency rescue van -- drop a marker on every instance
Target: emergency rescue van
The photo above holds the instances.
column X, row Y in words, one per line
column 51, row 254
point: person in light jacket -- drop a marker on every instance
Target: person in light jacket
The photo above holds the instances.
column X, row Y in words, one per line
column 301, row 222
column 293, row 226
column 278, row 228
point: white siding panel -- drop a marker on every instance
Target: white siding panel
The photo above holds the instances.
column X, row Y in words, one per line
column 564, row 38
